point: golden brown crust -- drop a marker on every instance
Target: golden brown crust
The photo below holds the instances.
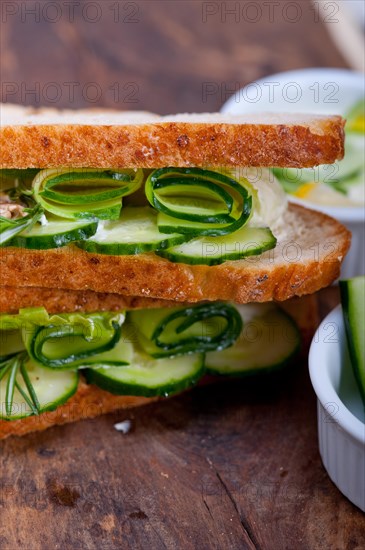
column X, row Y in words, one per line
column 307, row 257
column 88, row 402
column 58, row 139
column 60, row 300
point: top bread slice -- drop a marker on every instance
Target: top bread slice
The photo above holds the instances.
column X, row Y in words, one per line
column 47, row 138
column 307, row 257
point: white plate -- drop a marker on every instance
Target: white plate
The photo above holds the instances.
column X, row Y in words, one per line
column 323, row 90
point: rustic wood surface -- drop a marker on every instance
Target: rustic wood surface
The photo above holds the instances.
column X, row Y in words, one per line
column 228, row 466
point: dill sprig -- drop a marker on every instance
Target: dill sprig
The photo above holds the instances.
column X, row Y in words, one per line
column 17, row 378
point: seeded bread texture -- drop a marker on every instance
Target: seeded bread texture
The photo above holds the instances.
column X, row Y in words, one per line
column 66, row 301
column 47, row 138
column 308, row 256
column 88, row 402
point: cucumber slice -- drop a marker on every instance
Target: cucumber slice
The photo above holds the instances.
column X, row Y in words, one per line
column 85, row 193
column 149, row 377
column 268, row 341
column 166, row 332
column 52, row 388
column 247, row 241
column 56, row 233
column 135, row 232
column 68, row 345
column 10, row 229
column 353, row 304
column 168, row 224
column 203, row 202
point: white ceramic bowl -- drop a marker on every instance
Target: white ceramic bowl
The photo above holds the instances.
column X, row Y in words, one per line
column 325, row 91
column 341, row 412
column 320, row 90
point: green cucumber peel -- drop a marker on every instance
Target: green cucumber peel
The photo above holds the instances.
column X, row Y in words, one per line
column 46, row 337
column 150, row 377
column 200, row 202
column 56, row 233
column 196, row 329
column 10, row 228
column 27, row 389
column 43, row 335
column 135, row 232
column 353, row 307
column 268, row 342
column 86, row 192
column 247, row 241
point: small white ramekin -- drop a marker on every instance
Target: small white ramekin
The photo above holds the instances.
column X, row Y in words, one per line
column 341, row 412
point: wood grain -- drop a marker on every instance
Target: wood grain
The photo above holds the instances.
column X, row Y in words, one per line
column 229, row 466
column 163, row 60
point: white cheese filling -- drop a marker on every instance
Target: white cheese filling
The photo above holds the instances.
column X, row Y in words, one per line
column 269, row 199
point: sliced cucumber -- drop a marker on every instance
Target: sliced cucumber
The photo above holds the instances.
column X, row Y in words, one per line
column 353, row 304
column 54, row 234
column 52, row 389
column 85, row 192
column 247, row 241
column 10, row 229
column 167, row 332
column 203, row 202
column 135, row 232
column 268, row 341
column 149, row 377
column 69, row 345
column 168, row 224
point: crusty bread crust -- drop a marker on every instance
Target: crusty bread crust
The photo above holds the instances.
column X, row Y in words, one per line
column 88, row 402
column 66, row 301
column 308, row 256
column 102, row 139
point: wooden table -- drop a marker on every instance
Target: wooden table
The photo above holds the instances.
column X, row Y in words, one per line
column 228, row 466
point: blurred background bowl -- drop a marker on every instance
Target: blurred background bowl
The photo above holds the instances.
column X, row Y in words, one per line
column 318, row 90
column 341, row 412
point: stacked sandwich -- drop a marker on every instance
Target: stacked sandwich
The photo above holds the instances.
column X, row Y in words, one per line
column 139, row 253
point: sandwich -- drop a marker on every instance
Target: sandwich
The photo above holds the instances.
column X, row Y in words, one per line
column 137, row 251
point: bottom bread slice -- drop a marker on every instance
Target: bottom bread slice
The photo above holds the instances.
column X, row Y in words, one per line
column 308, row 256
column 90, row 401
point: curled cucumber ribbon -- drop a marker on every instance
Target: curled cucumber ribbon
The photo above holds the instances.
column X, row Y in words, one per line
column 198, row 202
column 85, row 192
column 167, row 332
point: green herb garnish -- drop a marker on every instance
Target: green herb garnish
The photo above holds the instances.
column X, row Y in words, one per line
column 17, row 378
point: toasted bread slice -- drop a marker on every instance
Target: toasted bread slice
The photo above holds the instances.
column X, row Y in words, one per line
column 90, row 401
column 13, row 298
column 48, row 138
column 308, row 256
